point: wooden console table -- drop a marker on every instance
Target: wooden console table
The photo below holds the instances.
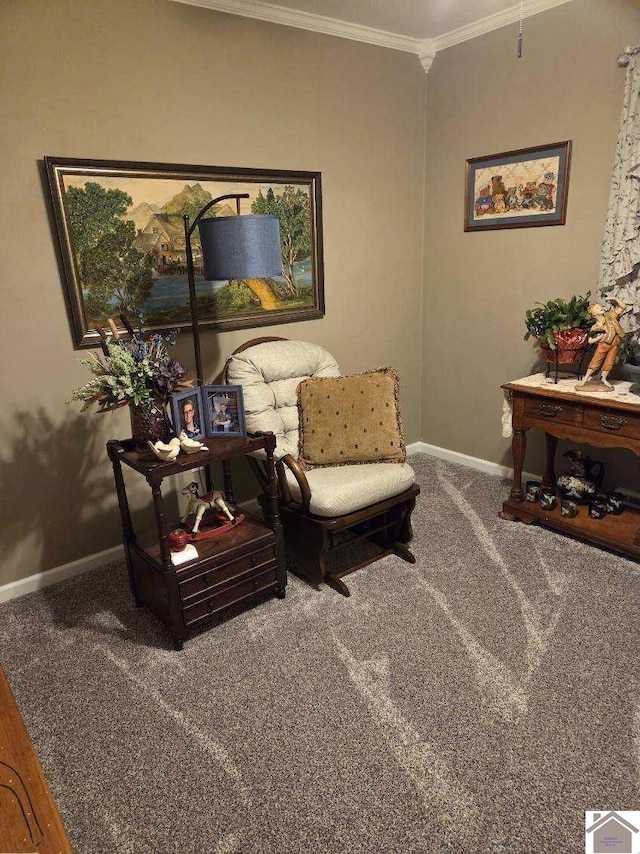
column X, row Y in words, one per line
column 29, row 819
column 584, row 419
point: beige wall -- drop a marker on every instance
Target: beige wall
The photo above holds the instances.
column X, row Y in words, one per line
column 481, row 100
column 160, row 81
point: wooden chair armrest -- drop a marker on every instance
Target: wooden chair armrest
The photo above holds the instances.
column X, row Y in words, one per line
column 300, row 476
column 283, row 483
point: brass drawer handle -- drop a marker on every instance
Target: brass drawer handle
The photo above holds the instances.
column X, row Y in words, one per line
column 613, row 422
column 549, row 411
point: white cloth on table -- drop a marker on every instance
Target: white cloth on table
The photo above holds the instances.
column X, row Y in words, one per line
column 622, row 393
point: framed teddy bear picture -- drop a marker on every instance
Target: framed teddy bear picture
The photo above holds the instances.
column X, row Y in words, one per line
column 517, row 189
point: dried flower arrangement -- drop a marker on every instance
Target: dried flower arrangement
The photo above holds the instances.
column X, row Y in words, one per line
column 138, row 371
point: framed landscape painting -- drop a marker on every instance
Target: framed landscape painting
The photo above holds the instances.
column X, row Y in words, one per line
column 120, row 230
column 517, row 189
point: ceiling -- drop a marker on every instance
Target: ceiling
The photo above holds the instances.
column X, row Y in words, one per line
column 422, row 27
column 419, row 19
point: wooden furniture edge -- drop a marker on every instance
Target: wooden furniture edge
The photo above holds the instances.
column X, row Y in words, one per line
column 27, row 784
column 536, row 391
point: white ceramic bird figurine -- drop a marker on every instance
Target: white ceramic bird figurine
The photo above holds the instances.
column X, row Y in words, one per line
column 164, row 452
column 191, row 446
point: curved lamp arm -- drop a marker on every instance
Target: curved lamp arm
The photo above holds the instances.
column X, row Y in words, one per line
column 236, row 196
column 191, row 278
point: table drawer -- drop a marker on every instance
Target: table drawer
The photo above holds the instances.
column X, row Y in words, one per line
column 212, row 578
column 229, row 596
column 553, row 410
column 613, row 421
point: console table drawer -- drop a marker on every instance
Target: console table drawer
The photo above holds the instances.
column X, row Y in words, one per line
column 229, row 596
column 212, row 578
column 551, row 410
column 613, row 421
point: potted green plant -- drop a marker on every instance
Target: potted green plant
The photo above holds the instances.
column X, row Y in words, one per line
column 561, row 328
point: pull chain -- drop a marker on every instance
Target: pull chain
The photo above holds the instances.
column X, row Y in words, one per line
column 519, row 50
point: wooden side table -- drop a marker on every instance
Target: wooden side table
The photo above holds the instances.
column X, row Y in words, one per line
column 587, row 420
column 229, row 569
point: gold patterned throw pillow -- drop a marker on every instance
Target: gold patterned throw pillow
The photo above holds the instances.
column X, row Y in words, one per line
column 353, row 419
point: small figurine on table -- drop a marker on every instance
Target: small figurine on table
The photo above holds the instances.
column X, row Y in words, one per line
column 224, row 519
column 609, row 335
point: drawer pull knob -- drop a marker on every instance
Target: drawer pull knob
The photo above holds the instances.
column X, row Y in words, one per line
column 254, row 560
column 548, row 410
column 256, row 583
column 205, row 580
column 612, row 422
column 211, row 605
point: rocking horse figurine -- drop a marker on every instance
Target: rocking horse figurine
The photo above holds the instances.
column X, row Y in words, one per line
column 211, row 501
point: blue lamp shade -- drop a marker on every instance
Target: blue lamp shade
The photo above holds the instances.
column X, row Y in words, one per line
column 241, row 247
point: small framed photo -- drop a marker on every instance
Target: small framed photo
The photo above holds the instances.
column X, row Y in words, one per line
column 517, row 189
column 188, row 413
column 224, row 408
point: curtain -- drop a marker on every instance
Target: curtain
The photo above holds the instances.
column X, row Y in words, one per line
column 620, row 254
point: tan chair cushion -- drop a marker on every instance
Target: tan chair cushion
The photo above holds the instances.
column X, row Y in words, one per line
column 269, row 374
column 336, row 491
column 352, row 419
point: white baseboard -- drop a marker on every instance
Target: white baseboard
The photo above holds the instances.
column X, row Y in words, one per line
column 465, row 460
column 59, row 573
column 77, row 567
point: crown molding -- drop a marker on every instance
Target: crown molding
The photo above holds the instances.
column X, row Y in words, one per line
column 494, row 22
column 308, row 21
column 426, row 54
column 425, row 49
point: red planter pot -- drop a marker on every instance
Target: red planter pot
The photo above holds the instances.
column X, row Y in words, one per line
column 572, row 344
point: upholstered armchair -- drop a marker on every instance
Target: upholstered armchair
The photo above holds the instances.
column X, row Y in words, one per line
column 323, row 510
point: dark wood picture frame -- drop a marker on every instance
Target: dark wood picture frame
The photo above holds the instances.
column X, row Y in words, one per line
column 518, row 189
column 134, row 210
column 232, row 394
column 177, row 402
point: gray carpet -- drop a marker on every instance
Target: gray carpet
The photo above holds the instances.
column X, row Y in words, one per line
column 478, row 701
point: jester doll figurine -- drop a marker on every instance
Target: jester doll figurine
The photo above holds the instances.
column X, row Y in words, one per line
column 607, row 333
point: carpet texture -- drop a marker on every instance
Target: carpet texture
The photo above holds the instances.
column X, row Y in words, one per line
column 478, row 701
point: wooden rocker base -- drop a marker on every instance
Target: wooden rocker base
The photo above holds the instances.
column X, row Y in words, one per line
column 337, row 584
column 334, row 579
column 400, row 550
column 312, row 541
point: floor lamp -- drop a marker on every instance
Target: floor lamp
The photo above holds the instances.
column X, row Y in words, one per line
column 233, row 247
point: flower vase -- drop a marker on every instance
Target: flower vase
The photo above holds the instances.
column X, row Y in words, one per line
column 148, row 423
